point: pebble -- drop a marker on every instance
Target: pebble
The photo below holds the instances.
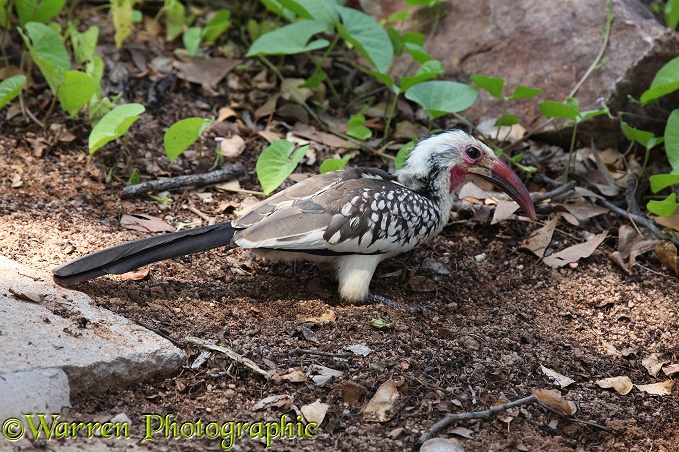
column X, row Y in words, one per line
column 442, row 445
column 480, row 257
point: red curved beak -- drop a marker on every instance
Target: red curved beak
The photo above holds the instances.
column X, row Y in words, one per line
column 502, row 176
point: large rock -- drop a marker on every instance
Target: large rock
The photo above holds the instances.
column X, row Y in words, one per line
column 550, row 44
column 63, row 344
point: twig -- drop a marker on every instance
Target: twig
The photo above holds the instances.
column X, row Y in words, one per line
column 485, row 414
column 301, row 351
column 538, row 197
column 183, row 181
column 574, row 420
column 646, row 222
column 231, row 354
column 160, row 333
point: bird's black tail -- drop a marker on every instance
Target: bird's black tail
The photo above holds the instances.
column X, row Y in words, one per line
column 130, row 256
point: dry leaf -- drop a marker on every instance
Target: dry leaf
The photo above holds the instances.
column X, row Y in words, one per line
column 671, row 369
column 653, row 363
column 15, row 180
column 315, row 412
column 135, row 275
column 269, row 136
column 559, row 379
column 328, row 139
column 27, row 295
column 321, row 374
column 351, row 392
column 280, row 400
column 576, row 252
column 233, row 146
column 381, row 406
column 504, row 210
column 582, row 212
column 539, row 240
column 552, row 398
column 663, row 388
column 296, row 376
column 145, row 223
column 462, row 431
column 226, row 113
column 667, row 253
column 358, row 349
column 327, row 317
column 290, row 90
column 671, row 222
column 206, row 72
column 622, row 385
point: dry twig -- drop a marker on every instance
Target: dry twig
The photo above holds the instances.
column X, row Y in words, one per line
column 231, row 354
column 213, row 177
column 301, row 351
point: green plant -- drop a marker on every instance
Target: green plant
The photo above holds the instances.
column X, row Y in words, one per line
column 113, row 125
column 177, row 23
column 334, row 164
column 10, row 88
column 277, row 162
column 357, row 129
column 182, row 134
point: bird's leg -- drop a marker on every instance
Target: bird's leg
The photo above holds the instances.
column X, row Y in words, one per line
column 391, row 303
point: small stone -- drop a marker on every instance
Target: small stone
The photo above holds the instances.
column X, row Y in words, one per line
column 470, row 343
column 480, row 257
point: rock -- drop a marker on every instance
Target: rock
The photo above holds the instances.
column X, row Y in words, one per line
column 65, row 344
column 550, row 45
column 441, row 445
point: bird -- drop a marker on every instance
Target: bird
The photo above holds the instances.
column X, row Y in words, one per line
column 353, row 218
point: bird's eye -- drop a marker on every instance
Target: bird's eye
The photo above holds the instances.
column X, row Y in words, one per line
column 473, row 152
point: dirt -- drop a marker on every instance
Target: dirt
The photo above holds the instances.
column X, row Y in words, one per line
column 497, row 320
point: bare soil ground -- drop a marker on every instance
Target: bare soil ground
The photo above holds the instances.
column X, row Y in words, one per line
column 497, row 321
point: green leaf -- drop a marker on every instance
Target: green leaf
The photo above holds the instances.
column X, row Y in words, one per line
column 10, row 88
column 418, row 52
column 278, row 9
column 95, row 69
column 672, row 13
column 491, row 84
column 322, row 10
column 646, row 139
column 113, row 125
column 192, row 39
column 357, row 129
column 387, row 80
column 524, row 92
column 403, row 153
column 290, row 39
column 47, row 52
column 666, row 81
column 573, row 103
column 429, row 70
column 672, row 140
column 553, row 109
column 174, row 19
column 122, row 20
column 84, row 44
column 662, row 181
column 182, row 134
column 368, row 36
column 379, row 323
column 590, row 113
column 507, row 120
column 664, row 208
column 75, row 91
column 334, row 164
column 315, row 80
column 217, row 25
column 33, row 11
column 276, row 163
column 134, row 178
column 398, row 16
column 440, row 97
column 396, row 40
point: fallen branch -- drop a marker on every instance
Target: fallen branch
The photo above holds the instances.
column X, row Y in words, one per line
column 221, row 175
column 231, row 354
column 160, row 333
column 560, row 190
column 301, row 351
column 485, row 414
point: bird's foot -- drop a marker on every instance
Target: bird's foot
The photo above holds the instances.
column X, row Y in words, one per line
column 393, row 304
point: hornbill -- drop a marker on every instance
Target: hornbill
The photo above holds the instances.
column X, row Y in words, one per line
column 354, row 218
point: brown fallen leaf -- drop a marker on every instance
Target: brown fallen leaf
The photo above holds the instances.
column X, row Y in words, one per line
column 206, row 72
column 504, row 210
column 327, row 317
column 295, row 376
column 290, row 90
column 582, row 212
column 553, row 399
column 462, row 431
column 622, row 384
column 226, row 113
column 576, row 252
column 662, row 388
column 279, row 400
column 559, row 379
column 653, row 363
column 351, row 391
column 671, row 222
column 25, row 295
column 145, row 223
column 671, row 369
column 233, row 146
column 321, row 374
column 667, row 253
column 539, row 240
column 328, row 139
column 315, row 412
column 135, row 275
column 381, row 406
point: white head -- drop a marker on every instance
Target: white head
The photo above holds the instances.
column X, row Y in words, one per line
column 440, row 163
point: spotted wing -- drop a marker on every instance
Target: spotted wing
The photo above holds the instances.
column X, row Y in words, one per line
column 351, row 211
